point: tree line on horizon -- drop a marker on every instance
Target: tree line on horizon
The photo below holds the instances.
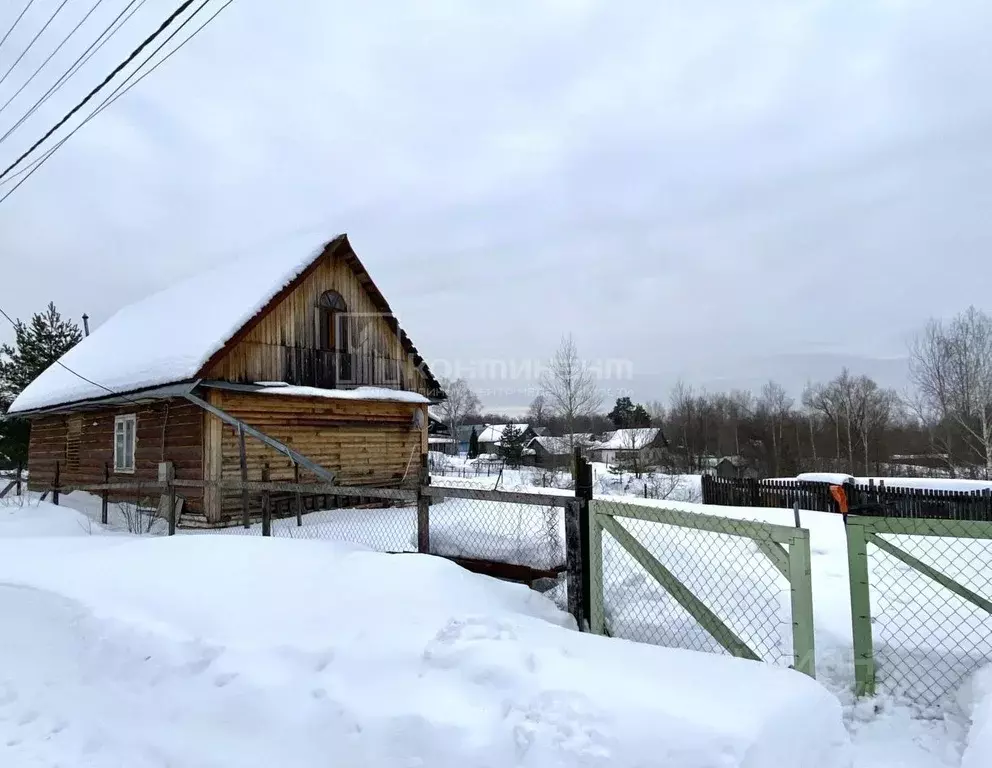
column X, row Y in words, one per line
column 941, row 425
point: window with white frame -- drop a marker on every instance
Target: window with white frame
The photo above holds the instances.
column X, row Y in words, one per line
column 124, row 440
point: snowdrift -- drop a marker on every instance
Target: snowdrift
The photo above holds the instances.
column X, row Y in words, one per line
column 225, row 650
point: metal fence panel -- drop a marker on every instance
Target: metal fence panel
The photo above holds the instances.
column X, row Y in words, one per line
column 702, row 582
column 921, row 593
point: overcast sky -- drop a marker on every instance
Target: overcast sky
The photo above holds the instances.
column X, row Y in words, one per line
column 724, row 191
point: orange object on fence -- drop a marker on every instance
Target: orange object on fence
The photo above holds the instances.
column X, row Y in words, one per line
column 840, row 496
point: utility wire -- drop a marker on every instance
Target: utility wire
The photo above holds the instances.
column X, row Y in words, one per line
column 112, row 29
column 16, row 21
column 51, row 55
column 133, row 55
column 107, row 102
column 124, row 83
column 74, row 373
column 33, row 41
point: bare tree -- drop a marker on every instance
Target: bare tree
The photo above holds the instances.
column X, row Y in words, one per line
column 951, row 368
column 657, row 411
column 538, row 413
column 569, row 387
column 777, row 404
column 460, row 403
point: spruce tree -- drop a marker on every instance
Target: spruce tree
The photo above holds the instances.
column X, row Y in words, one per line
column 37, row 345
column 511, row 447
column 473, row 445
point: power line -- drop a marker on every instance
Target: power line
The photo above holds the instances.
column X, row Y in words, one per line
column 113, row 28
column 51, row 55
column 16, row 21
column 74, row 373
column 133, row 55
column 108, row 102
column 33, row 41
column 30, row 170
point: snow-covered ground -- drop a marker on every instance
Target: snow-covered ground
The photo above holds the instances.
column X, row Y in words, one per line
column 241, row 651
column 741, row 585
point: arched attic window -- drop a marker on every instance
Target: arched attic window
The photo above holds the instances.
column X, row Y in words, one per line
column 332, row 321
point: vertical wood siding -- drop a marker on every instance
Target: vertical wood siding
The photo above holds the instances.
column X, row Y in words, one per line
column 260, row 355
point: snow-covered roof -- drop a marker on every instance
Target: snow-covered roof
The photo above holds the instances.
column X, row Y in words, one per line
column 494, row 432
column 628, row 439
column 168, row 336
column 559, row 446
column 358, row 393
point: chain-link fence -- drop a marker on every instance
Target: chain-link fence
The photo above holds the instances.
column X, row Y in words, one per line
column 921, row 592
column 523, row 529
column 702, row 582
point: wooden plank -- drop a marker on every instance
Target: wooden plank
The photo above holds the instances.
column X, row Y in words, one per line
column 510, row 497
column 775, row 552
column 945, row 581
column 747, row 528
column 245, row 513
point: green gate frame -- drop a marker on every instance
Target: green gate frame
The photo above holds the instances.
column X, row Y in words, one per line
column 793, row 563
column 864, row 530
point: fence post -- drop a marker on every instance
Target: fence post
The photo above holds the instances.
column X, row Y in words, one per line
column 423, row 509
column 105, row 494
column 245, row 511
column 299, row 496
column 595, row 590
column 55, row 483
column 754, row 492
column 20, row 469
column 170, row 492
column 857, row 563
column 574, row 564
column 266, row 506
column 583, row 492
column 801, row 585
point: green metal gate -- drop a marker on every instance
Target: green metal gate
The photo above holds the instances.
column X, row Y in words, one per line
column 702, row 582
column 921, row 599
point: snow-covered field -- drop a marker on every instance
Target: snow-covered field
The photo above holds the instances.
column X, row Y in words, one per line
column 912, row 637
column 120, row 650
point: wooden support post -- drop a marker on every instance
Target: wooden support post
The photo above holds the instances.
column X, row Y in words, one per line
column 299, row 496
column 857, row 563
column 574, row 564
column 583, row 492
column 55, row 484
column 245, row 501
column 423, row 509
column 20, row 469
column 266, row 504
column 105, row 495
column 171, row 494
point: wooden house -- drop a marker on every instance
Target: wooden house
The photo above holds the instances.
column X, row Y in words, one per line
column 557, row 452
column 491, row 437
column 301, row 350
column 643, row 447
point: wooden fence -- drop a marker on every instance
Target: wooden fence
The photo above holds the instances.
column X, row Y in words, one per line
column 869, row 499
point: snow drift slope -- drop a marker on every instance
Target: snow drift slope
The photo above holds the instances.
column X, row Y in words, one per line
column 237, row 651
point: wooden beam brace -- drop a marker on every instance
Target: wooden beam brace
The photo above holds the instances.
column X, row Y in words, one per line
column 695, row 607
column 282, row 448
column 947, row 582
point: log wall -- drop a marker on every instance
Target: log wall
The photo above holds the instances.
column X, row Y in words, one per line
column 83, row 444
column 364, row 442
